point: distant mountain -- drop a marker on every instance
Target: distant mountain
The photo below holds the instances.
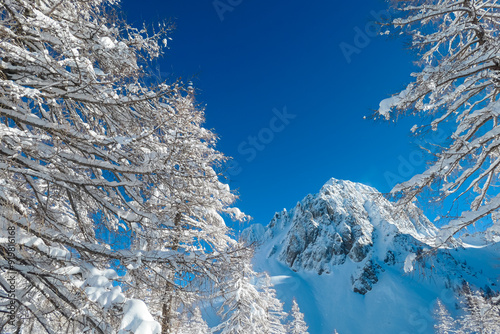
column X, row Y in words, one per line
column 346, row 255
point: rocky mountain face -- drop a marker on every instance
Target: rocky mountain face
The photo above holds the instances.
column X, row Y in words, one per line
column 349, row 237
column 344, row 221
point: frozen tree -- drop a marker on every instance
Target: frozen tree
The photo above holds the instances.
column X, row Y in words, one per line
column 100, row 174
column 194, row 324
column 250, row 304
column 445, row 324
column 274, row 307
column 297, row 325
column 457, row 91
column 481, row 316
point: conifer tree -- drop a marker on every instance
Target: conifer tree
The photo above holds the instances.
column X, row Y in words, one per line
column 194, row 324
column 445, row 324
column 250, row 304
column 297, row 325
column 481, row 315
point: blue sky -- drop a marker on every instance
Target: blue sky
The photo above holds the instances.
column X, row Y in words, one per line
column 252, row 57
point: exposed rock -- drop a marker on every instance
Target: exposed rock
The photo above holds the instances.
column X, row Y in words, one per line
column 366, row 278
column 339, row 224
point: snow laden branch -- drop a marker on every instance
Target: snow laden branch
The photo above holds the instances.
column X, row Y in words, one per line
column 100, row 174
column 457, row 90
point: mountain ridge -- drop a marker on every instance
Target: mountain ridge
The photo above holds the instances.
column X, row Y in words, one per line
column 348, row 240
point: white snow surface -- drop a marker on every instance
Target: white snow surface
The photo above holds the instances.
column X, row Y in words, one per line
column 98, row 286
column 137, row 319
column 342, row 252
column 386, row 105
column 410, row 259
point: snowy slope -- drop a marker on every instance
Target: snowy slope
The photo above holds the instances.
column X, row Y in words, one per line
column 342, row 254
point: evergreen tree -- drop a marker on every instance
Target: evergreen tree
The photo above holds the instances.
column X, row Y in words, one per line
column 297, row 325
column 445, row 323
column 481, row 315
column 250, row 304
column 194, row 324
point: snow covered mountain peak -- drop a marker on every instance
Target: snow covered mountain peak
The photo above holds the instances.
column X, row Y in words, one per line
column 339, row 225
column 347, row 186
column 349, row 197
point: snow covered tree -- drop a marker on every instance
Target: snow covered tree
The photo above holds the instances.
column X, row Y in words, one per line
column 194, row 324
column 445, row 324
column 250, row 304
column 297, row 325
column 481, row 315
column 274, row 307
column 100, row 174
column 457, row 91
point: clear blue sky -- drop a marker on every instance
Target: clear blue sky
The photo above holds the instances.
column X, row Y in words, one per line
column 266, row 55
